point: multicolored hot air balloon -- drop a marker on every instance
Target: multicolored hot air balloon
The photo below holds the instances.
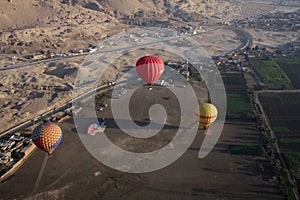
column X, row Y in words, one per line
column 96, row 128
column 206, row 113
column 150, row 68
column 47, row 137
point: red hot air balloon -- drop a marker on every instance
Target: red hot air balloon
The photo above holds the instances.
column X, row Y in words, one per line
column 47, row 137
column 150, row 68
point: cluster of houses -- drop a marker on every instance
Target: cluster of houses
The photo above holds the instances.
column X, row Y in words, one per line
column 181, row 67
column 277, row 22
column 12, row 148
column 231, row 62
column 24, row 85
column 48, row 55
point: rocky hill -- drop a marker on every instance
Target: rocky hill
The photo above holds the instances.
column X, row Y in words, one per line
column 39, row 26
column 23, row 13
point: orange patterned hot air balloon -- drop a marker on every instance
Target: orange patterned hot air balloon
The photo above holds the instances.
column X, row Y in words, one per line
column 206, row 113
column 47, row 137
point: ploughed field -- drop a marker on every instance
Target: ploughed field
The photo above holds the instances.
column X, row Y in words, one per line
column 291, row 66
column 234, row 81
column 238, row 101
column 283, row 111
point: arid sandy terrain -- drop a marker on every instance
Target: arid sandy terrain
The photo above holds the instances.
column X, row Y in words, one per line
column 30, row 91
column 72, row 173
column 61, row 31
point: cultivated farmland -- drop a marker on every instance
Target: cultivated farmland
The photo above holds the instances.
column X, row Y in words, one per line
column 283, row 111
column 236, row 90
column 271, row 74
column 291, row 66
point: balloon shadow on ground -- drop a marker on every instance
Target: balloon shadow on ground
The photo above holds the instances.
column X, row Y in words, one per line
column 83, row 124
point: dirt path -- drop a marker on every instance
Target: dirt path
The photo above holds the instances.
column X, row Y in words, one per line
column 278, row 91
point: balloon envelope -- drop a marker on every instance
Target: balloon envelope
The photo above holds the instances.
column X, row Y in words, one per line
column 47, row 137
column 96, row 128
column 206, row 113
column 150, row 68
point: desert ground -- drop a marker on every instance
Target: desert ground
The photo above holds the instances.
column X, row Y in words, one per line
column 57, row 28
column 72, row 173
column 33, row 27
column 29, row 91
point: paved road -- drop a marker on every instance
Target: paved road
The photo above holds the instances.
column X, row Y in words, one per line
column 51, row 112
column 267, row 11
column 40, row 61
column 245, row 36
column 246, row 39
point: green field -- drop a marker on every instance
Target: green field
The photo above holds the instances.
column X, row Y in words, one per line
column 271, row 74
column 253, row 150
column 269, row 94
column 238, row 103
column 280, row 129
column 290, row 60
column 290, row 140
column 293, row 159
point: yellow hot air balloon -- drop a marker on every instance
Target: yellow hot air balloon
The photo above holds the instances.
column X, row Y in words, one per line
column 207, row 113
